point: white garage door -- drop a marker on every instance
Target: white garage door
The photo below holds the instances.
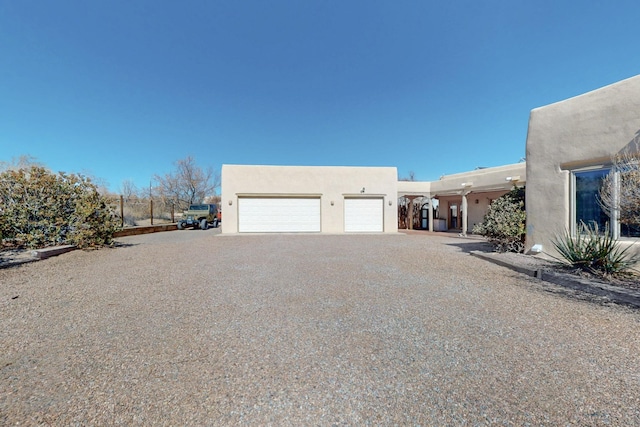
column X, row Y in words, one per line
column 363, row 215
column 278, row 215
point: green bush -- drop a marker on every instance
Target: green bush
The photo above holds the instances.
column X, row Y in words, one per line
column 504, row 223
column 594, row 251
column 39, row 209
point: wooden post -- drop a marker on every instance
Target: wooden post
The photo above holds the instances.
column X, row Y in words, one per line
column 173, row 219
column 151, row 209
column 121, row 211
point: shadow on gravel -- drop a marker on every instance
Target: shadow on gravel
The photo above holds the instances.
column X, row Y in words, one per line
column 116, row 245
column 469, row 247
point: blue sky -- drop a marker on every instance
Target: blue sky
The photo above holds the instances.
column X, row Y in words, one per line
column 120, row 90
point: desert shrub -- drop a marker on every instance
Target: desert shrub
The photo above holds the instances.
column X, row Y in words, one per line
column 39, row 209
column 130, row 220
column 595, row 251
column 504, row 223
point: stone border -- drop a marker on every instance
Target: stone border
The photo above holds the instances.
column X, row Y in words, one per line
column 145, row 229
column 12, row 262
column 25, row 256
column 614, row 293
column 52, row 251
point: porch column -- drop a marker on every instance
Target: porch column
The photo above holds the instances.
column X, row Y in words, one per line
column 465, row 218
column 431, row 214
column 410, row 213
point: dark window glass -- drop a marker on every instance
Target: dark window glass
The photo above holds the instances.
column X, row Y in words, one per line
column 588, row 210
column 629, row 230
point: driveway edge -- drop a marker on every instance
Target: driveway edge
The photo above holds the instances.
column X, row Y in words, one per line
column 614, row 293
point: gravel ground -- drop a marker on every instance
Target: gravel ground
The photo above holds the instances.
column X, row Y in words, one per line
column 626, row 281
column 195, row 328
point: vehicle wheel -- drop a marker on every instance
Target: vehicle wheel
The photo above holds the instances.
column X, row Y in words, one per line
column 180, row 225
column 204, row 224
column 215, row 223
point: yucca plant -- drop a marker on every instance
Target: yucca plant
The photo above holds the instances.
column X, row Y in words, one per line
column 595, row 251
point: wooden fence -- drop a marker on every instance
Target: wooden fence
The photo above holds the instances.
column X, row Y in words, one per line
column 135, row 212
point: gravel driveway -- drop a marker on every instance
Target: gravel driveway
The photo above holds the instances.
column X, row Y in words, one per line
column 196, row 328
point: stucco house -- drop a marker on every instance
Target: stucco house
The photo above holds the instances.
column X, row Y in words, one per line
column 569, row 148
column 463, row 198
column 341, row 199
column 309, row 199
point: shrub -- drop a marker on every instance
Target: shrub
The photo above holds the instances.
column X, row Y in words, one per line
column 39, row 209
column 504, row 223
column 594, row 251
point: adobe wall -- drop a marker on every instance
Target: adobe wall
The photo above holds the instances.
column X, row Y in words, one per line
column 579, row 132
column 331, row 183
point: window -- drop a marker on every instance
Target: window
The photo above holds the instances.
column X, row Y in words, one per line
column 630, row 230
column 628, row 193
column 587, row 208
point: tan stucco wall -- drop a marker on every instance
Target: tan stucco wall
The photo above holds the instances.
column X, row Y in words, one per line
column 579, row 132
column 331, row 183
column 475, row 211
column 414, row 188
column 478, row 210
column 481, row 179
column 482, row 185
column 444, row 206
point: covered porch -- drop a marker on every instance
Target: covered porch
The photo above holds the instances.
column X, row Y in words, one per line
column 455, row 202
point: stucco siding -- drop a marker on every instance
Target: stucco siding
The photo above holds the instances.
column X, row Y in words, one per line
column 331, row 184
column 482, row 185
column 481, row 179
column 579, row 132
column 478, row 210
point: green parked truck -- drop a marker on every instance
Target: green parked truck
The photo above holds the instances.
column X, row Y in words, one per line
column 199, row 216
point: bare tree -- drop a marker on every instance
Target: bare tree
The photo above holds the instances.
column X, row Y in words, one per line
column 212, row 199
column 129, row 190
column 411, row 177
column 188, row 184
column 619, row 195
column 25, row 161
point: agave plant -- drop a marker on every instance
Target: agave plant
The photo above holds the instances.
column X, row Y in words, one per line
column 595, row 251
